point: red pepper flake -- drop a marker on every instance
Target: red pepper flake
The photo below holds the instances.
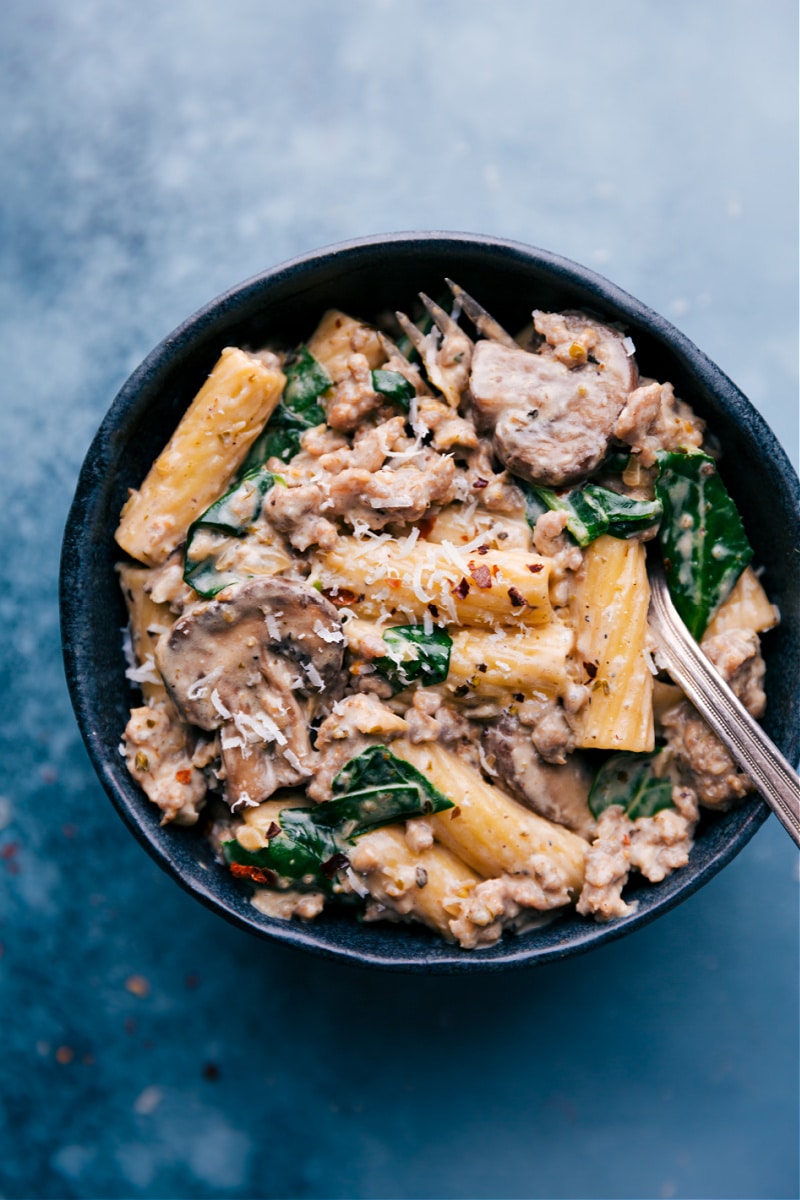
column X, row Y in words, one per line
column 535, row 568
column 516, row 597
column 455, row 812
column 481, row 574
column 335, row 863
column 433, row 610
column 273, row 831
column 480, row 484
column 461, row 589
column 484, row 549
column 590, row 668
column 342, row 598
column 257, row 874
column 425, row 526
column 184, row 776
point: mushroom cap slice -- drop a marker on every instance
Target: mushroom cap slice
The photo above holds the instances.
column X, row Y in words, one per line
column 557, row 792
column 225, row 645
column 553, row 412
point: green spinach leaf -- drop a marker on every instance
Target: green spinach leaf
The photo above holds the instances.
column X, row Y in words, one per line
column 414, row 655
column 311, row 844
column 593, row 510
column 298, row 410
column 703, row 542
column 395, row 387
column 230, row 516
column 629, row 781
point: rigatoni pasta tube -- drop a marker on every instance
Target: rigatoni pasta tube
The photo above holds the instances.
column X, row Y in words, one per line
column 531, row 659
column 746, row 607
column 337, row 337
column 491, row 832
column 612, row 596
column 148, row 620
column 496, row 588
column 528, row 660
column 202, row 456
column 459, row 524
column 428, row 885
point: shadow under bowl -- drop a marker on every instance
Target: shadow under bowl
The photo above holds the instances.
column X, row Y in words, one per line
column 282, row 305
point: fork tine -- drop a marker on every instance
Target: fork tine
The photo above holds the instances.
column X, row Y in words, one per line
column 414, row 335
column 481, row 319
column 390, row 349
column 444, row 322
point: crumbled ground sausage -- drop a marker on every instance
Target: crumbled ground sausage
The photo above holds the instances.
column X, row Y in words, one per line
column 654, row 419
column 157, row 752
column 702, row 762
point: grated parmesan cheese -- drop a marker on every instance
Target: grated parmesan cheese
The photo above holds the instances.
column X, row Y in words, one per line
column 294, row 761
column 356, row 883
column 407, row 545
column 328, row 635
column 273, row 628
column 258, row 727
column 127, row 648
column 314, row 676
column 146, row 673
column 219, row 706
column 245, row 800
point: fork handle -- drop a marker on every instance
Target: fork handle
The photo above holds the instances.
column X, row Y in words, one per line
column 755, row 753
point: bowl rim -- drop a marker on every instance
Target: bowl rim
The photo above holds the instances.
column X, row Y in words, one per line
column 511, row 952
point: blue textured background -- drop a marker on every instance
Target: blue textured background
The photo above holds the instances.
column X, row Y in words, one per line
column 153, row 154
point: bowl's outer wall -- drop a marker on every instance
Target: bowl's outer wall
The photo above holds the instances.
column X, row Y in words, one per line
column 282, row 306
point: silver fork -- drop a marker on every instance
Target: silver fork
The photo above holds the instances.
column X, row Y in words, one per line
column 719, row 707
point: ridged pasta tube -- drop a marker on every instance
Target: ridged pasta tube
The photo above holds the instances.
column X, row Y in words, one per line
column 148, row 621
column 746, row 607
column 612, row 596
column 460, row 524
column 500, row 587
column 337, row 337
column 427, row 885
column 202, row 456
column 492, row 833
column 528, row 660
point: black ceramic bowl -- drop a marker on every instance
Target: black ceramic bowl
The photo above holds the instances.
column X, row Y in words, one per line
column 364, row 278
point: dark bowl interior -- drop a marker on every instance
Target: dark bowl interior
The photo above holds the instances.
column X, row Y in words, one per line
column 284, row 304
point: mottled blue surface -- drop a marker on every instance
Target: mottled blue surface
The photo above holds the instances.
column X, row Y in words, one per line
column 152, row 155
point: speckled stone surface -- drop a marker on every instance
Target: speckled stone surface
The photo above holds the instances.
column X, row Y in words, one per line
column 153, row 155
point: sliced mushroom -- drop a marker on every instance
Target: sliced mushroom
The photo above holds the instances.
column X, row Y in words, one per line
column 250, row 664
column 553, row 412
column 556, row 792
